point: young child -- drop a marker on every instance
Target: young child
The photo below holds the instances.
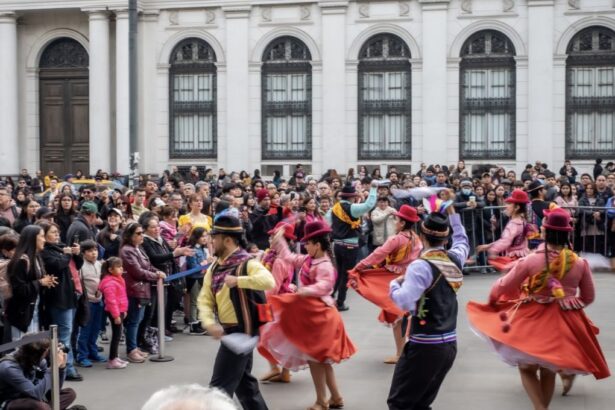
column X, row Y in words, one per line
column 113, row 288
column 87, row 350
column 253, row 250
column 198, row 241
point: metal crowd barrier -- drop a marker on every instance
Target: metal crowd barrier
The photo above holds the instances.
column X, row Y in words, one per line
column 52, row 334
column 593, row 230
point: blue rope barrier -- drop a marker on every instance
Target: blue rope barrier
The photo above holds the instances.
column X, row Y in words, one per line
column 179, row 275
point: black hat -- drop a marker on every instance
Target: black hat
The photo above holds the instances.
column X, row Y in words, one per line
column 435, row 226
column 535, row 185
column 348, row 191
column 227, row 225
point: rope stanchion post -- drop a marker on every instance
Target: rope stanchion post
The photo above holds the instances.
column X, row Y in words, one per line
column 55, row 368
column 161, row 330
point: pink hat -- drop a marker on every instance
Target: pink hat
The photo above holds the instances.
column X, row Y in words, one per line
column 289, row 230
column 518, row 196
column 408, row 213
column 316, row 228
column 261, row 194
column 557, row 219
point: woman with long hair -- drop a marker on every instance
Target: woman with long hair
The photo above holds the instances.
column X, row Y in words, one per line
column 371, row 276
column 307, row 329
column 195, row 217
column 27, row 277
column 592, row 220
column 27, row 216
column 513, row 242
column 65, row 214
column 535, row 317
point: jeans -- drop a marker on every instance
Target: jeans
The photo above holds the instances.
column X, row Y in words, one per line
column 86, row 343
column 64, row 319
column 132, row 321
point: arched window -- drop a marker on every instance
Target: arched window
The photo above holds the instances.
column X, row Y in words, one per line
column 487, row 97
column 286, row 100
column 590, row 94
column 384, row 99
column 192, row 96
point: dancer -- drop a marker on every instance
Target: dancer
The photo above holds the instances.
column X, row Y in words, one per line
column 513, row 242
column 372, row 275
column 283, row 273
column 307, row 329
column 550, row 332
column 429, row 291
column 228, row 303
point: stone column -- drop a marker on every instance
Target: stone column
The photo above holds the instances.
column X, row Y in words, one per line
column 334, row 139
column 540, row 81
column 9, row 154
column 100, row 92
column 122, row 132
column 434, row 142
column 233, row 152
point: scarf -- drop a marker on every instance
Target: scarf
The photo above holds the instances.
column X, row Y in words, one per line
column 451, row 272
column 401, row 253
column 338, row 211
column 269, row 258
column 551, row 275
column 228, row 267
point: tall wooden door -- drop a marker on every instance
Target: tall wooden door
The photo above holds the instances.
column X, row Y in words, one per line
column 64, row 108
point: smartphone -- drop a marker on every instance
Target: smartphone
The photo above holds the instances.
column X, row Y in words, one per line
column 76, row 239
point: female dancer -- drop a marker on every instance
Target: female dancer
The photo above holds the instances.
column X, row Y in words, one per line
column 513, row 241
column 307, row 328
column 283, row 272
column 551, row 332
column 371, row 276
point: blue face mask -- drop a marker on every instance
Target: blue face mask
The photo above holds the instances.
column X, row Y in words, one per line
column 466, row 191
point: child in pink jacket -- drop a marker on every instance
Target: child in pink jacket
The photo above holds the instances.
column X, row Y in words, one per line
column 113, row 289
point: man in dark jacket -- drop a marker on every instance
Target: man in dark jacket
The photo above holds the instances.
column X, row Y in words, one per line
column 468, row 206
column 84, row 226
column 262, row 221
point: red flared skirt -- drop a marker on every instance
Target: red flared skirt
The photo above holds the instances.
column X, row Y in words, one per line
column 373, row 285
column 543, row 334
column 304, row 329
column 502, row 263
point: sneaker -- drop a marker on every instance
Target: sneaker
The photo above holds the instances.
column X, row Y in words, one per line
column 196, row 329
column 135, row 357
column 104, row 338
column 98, row 358
column 116, row 364
column 83, row 363
column 123, row 340
column 144, row 353
column 168, row 339
column 122, row 360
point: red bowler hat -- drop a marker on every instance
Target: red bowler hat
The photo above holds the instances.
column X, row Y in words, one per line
column 316, row 228
column 289, row 230
column 518, row 196
column 408, row 213
column 557, row 219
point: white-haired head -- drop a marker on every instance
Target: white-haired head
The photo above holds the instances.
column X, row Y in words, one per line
column 189, row 397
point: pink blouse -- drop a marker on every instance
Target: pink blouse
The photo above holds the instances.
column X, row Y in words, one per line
column 320, row 280
column 393, row 245
column 578, row 277
column 506, row 244
column 283, row 273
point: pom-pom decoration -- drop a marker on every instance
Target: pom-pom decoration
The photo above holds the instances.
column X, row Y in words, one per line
column 435, row 204
column 506, row 327
column 503, row 316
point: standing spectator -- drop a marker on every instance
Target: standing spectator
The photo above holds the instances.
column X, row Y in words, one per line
column 138, row 207
column 8, row 209
column 592, row 220
column 598, row 168
column 60, row 301
column 198, row 242
column 140, row 273
column 263, row 219
column 65, row 215
column 195, row 218
column 383, row 222
column 569, row 172
column 467, row 205
column 27, row 216
column 602, row 189
column 87, row 350
column 84, row 225
column 566, row 200
column 113, row 288
column 27, row 276
column 110, row 236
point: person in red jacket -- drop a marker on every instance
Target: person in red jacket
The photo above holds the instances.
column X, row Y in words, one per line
column 113, row 288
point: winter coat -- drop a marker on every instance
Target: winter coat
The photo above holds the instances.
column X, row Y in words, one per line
column 140, row 272
column 61, row 296
column 113, row 289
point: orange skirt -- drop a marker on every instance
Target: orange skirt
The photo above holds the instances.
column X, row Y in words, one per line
column 373, row 285
column 542, row 334
column 502, row 263
column 304, row 329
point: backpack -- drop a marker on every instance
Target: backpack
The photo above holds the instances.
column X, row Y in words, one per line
column 6, row 292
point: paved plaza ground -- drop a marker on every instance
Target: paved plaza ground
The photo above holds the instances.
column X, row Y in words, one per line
column 478, row 380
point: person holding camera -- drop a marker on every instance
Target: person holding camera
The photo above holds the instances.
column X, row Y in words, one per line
column 25, row 378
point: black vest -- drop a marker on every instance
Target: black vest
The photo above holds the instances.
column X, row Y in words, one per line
column 341, row 230
column 245, row 302
column 440, row 307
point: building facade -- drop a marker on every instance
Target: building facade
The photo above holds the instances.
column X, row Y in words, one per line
column 264, row 84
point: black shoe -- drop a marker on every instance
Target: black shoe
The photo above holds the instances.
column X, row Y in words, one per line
column 74, row 377
column 342, row 307
column 77, row 407
column 196, row 329
column 174, row 329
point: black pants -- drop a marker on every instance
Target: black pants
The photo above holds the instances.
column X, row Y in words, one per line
column 345, row 259
column 419, row 374
column 67, row 397
column 232, row 374
column 116, row 334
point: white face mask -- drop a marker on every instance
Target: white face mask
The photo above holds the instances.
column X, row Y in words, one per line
column 466, row 191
